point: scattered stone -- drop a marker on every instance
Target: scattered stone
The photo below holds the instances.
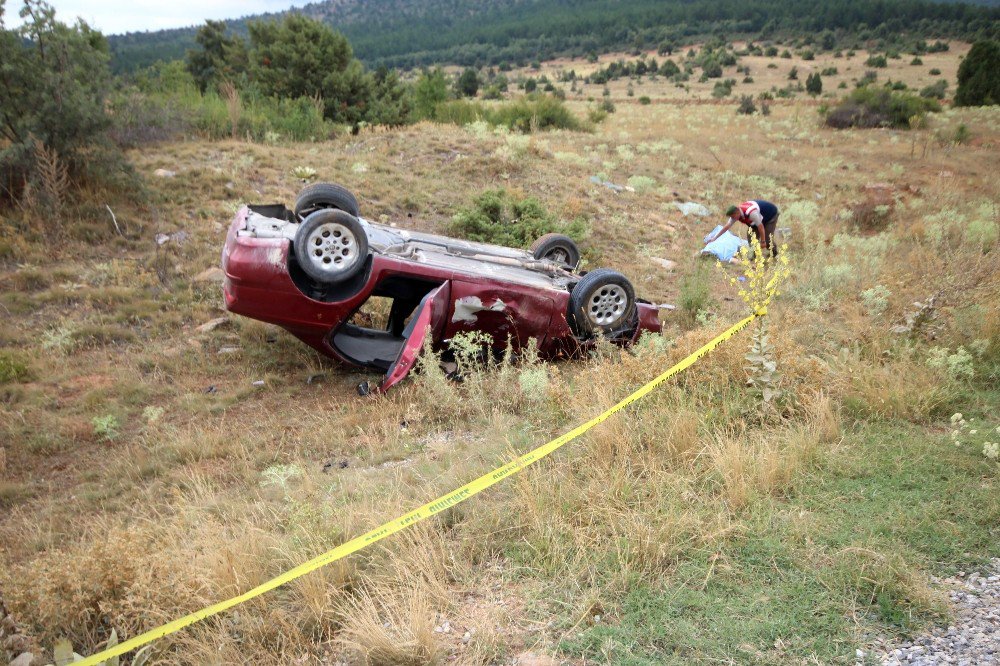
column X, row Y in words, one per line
column 177, row 237
column 214, row 274
column 23, row 659
column 210, row 326
column 532, row 659
column 211, row 389
column 666, row 263
column 229, row 350
column 259, row 383
column 315, row 377
column 164, row 173
column 974, row 635
column 692, row 208
column 335, row 464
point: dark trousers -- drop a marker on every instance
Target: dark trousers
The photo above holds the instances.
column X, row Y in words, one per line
column 768, row 245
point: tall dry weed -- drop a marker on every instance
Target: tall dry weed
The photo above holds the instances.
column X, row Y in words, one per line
column 44, row 195
column 234, row 105
column 389, row 629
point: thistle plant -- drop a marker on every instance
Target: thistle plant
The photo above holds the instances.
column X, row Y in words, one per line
column 762, row 373
column 760, row 284
column 762, row 277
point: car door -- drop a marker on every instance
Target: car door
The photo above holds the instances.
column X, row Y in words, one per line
column 428, row 318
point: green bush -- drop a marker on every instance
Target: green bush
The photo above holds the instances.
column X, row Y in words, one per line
column 527, row 114
column 879, row 107
column 460, row 112
column 498, row 217
column 304, row 57
column 54, row 85
column 979, row 75
column 935, row 90
column 535, row 113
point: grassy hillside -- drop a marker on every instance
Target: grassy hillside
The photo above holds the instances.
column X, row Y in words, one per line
column 143, row 474
column 408, row 33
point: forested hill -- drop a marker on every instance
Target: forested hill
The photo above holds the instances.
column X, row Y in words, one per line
column 408, row 33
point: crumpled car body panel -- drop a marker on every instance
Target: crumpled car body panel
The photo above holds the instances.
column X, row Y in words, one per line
column 441, row 296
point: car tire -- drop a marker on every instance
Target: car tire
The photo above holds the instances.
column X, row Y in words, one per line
column 325, row 195
column 558, row 248
column 331, row 246
column 603, row 301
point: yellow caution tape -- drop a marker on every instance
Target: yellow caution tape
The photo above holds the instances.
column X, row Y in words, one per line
column 426, row 511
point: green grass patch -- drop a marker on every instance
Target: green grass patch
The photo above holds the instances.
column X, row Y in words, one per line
column 857, row 539
column 13, row 368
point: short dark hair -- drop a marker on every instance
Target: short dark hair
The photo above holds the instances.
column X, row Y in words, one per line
column 732, row 210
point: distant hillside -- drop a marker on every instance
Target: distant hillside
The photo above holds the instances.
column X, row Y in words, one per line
column 408, row 33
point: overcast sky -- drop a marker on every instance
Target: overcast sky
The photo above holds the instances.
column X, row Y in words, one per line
column 114, row 17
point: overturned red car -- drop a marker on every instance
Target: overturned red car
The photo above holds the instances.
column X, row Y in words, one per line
column 368, row 294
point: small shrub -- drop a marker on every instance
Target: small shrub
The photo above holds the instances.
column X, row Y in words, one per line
column 105, row 427
column 876, row 299
column 793, row 74
column 961, row 134
column 935, row 90
column 934, row 71
column 814, row 84
column 829, row 71
column 746, row 107
column 916, row 61
column 878, row 61
column 872, row 215
column 958, row 366
column 498, row 217
column 723, row 88
column 644, row 100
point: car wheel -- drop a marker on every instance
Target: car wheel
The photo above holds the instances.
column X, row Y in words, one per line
column 558, row 248
column 602, row 301
column 325, row 195
column 331, row 245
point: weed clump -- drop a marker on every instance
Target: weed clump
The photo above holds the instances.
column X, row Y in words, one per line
column 497, row 216
column 13, row 368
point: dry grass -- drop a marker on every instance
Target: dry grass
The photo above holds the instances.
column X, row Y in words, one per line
column 212, row 485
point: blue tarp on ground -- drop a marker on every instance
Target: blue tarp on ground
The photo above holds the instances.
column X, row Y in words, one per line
column 725, row 246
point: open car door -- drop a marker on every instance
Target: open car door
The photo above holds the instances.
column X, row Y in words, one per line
column 428, row 318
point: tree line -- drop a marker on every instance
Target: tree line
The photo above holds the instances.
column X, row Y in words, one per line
column 466, row 32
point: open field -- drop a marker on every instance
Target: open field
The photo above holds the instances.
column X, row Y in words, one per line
column 768, row 73
column 143, row 476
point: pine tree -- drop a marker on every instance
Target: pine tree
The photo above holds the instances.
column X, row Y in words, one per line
column 979, row 75
column 814, row 84
column 302, row 57
column 220, row 57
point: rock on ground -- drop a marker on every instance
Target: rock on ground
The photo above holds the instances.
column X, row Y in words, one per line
column 973, row 638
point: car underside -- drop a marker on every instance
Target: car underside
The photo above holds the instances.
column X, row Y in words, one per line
column 370, row 294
